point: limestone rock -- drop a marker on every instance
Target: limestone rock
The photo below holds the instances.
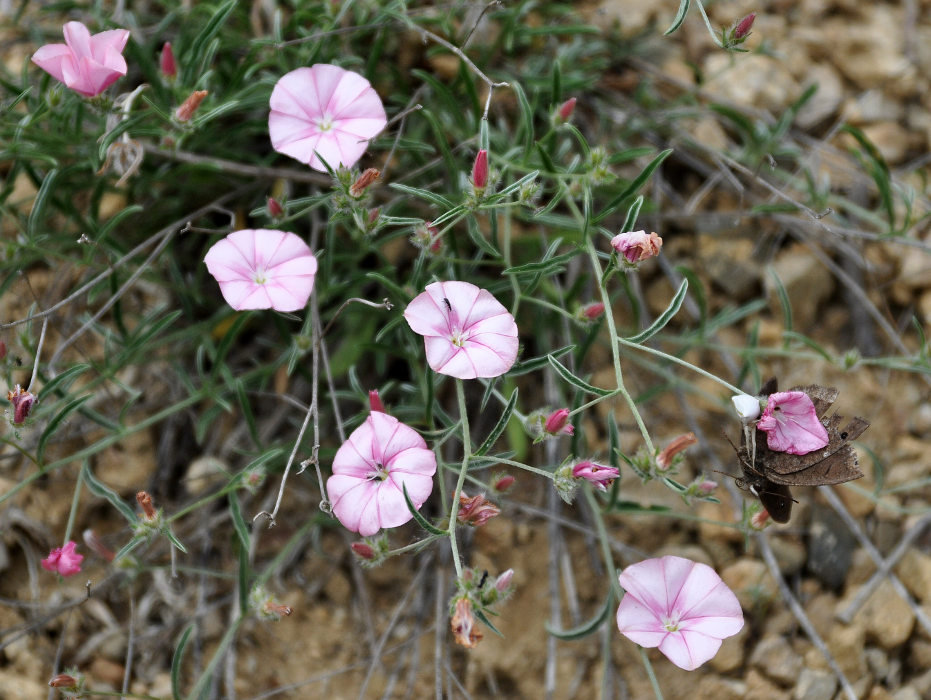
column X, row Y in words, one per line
column 775, row 657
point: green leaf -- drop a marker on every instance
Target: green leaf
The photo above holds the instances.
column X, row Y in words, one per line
column 575, row 381
column 586, row 628
column 62, row 381
column 194, row 66
column 664, row 317
column 99, row 489
column 698, row 292
column 239, row 524
column 176, row 661
column 805, row 340
column 53, row 424
column 783, row 298
column 422, row 521
column 525, row 125
column 427, row 195
column 499, row 426
column 679, row 18
column 246, row 409
column 633, row 211
column 515, row 186
column 475, row 235
column 546, row 267
column 37, row 215
column 634, row 185
column 535, row 363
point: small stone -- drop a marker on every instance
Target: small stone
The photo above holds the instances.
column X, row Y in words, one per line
column 815, row 685
column 877, row 692
column 105, row 671
column 730, row 656
column 920, row 654
column 805, row 283
column 826, row 101
column 830, row 549
column 775, row 657
column 878, row 662
column 846, row 644
column 906, row 693
column 15, row 687
column 790, row 555
column 721, row 688
column 914, row 570
column 751, row 582
column 890, row 139
column 204, row 473
column 888, row 619
column 759, row 687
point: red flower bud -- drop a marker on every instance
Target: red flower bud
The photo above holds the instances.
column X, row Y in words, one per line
column 167, row 61
column 593, row 310
column 480, row 170
column 477, row 510
column 566, row 109
column 22, row 401
column 664, row 460
column 145, row 502
column 558, row 422
column 274, row 208
column 363, row 550
column 63, row 680
column 504, row 483
column 364, row 180
column 743, row 26
column 2, row 350
column 375, row 403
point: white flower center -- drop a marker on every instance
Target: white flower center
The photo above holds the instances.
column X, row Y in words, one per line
column 325, row 123
column 380, row 473
column 458, row 337
column 671, row 622
column 260, row 277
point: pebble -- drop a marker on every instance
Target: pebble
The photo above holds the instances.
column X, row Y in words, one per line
column 790, row 554
column 721, row 688
column 815, row 685
column 887, row 618
column 759, row 687
column 805, row 282
column 775, row 657
column 914, row 571
column 830, row 548
column 751, row 582
column 847, row 644
column 731, row 655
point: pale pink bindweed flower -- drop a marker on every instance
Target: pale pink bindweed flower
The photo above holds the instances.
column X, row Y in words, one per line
column 88, row 64
column 263, row 269
column 681, row 606
column 324, row 112
column 467, row 332
column 64, row 560
column 372, row 468
column 791, row 424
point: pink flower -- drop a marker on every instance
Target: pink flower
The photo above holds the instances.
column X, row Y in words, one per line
column 480, row 170
column 476, row 510
column 86, row 64
column 64, row 560
column 467, row 332
column 263, row 269
column 22, row 401
column 324, row 112
column 637, row 246
column 370, row 471
column 598, row 475
column 166, row 62
column 462, row 624
column 791, row 424
column 558, row 422
column 680, row 606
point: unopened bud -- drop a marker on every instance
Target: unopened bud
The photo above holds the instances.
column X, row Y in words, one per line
column 375, row 403
column 480, row 170
column 503, row 483
column 476, row 511
column 274, row 208
column 2, row 350
column 364, row 180
column 63, row 680
column 558, row 422
column 363, row 550
column 742, row 30
column 566, row 109
column 22, row 401
column 166, row 61
column 96, row 545
column 190, row 105
column 593, row 310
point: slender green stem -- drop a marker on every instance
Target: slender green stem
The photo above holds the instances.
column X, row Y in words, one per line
column 672, row 358
column 648, row 667
column 466, row 454
column 413, row 546
column 604, row 541
column 704, row 16
column 526, row 467
column 75, row 500
column 615, row 353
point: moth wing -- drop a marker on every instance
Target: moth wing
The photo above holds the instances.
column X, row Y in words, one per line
column 770, row 386
column 784, row 463
column 776, row 499
column 839, row 467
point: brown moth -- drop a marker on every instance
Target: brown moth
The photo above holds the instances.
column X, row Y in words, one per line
column 769, row 474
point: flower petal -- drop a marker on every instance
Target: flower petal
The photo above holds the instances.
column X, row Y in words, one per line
column 791, row 424
column 689, row 650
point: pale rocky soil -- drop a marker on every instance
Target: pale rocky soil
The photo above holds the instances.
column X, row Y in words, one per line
column 873, row 63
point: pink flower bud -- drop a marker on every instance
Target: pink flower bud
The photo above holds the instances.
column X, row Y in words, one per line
column 2, row 350
column 22, row 401
column 598, row 475
column 375, row 403
column 636, row 246
column 276, row 610
column 706, row 487
column 742, row 30
column 64, row 560
column 566, row 109
column 503, row 483
column 664, row 459
column 373, row 215
column 476, row 511
column 167, row 61
column 558, row 422
column 363, row 550
column 274, row 208
column 190, row 105
column 593, row 310
column 480, row 170
column 503, row 582
column 364, row 180
column 760, row 519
